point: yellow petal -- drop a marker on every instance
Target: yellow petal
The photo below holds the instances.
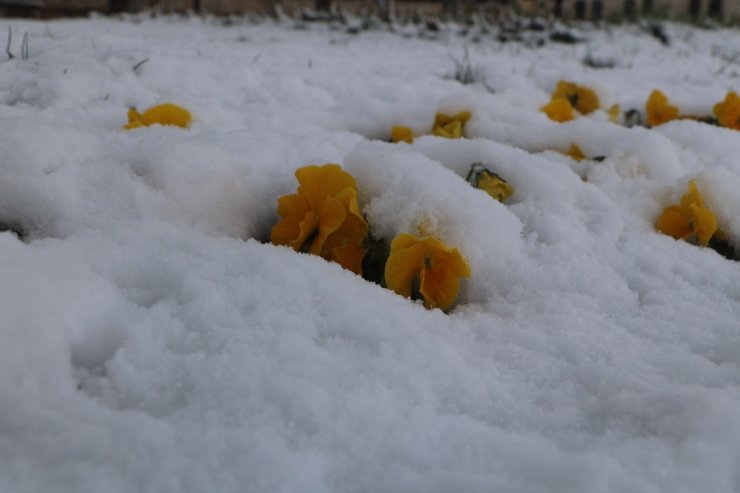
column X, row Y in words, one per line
column 674, row 222
column 566, row 90
column 167, row 114
column 440, row 277
column 450, row 127
column 559, row 110
column 331, row 215
column 614, row 113
column 658, row 110
column 292, row 205
column 350, row 257
column 404, row 263
column 402, row 134
column 692, row 197
column 494, row 185
column 705, row 224
column 587, row 101
column 294, row 231
column 576, row 153
column 316, row 183
column 728, row 111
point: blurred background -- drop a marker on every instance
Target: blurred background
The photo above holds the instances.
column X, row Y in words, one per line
column 595, row 10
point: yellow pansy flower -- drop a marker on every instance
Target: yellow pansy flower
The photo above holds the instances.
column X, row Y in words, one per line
column 659, row 110
column 559, row 110
column 689, row 218
column 161, row 114
column 450, row 127
column 728, row 111
column 581, row 98
column 575, row 153
column 402, row 134
column 484, row 179
column 323, row 217
column 435, row 267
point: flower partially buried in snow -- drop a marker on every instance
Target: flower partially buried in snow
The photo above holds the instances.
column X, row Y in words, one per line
column 728, row 111
column 484, row 179
column 559, row 110
column 161, row 114
column 567, row 98
column 659, row 110
column 323, row 217
column 689, row 218
column 450, row 127
column 402, row 134
column 427, row 265
column 583, row 99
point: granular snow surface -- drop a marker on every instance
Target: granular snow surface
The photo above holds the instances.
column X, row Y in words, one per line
column 152, row 340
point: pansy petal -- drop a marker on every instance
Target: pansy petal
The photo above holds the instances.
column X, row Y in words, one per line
column 587, row 101
column 674, row 222
column 559, row 110
column 319, row 182
column 402, row 134
column 705, row 224
column 692, row 197
column 286, row 231
column 292, row 205
column 404, row 263
column 331, row 215
column 439, row 286
column 167, row 114
column 658, row 109
column 576, row 153
column 349, row 256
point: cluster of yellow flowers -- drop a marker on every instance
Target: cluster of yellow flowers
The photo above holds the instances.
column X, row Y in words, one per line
column 447, row 126
column 323, row 218
column 689, row 219
column 570, row 99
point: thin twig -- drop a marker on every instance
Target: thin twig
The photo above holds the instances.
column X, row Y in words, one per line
column 25, row 55
column 10, row 40
column 138, row 65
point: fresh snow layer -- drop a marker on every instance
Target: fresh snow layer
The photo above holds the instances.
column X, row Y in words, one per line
column 152, row 340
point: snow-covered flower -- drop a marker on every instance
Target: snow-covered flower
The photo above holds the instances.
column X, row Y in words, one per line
column 659, row 110
column 427, row 261
column 689, row 218
column 484, row 179
column 728, row 111
column 582, row 98
column 323, row 217
column 450, row 127
column 559, row 110
column 402, row 134
column 161, row 114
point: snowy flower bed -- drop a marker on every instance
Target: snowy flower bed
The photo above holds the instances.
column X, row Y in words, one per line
column 152, row 339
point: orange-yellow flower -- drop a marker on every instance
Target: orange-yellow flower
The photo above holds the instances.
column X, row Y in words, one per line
column 450, row 127
column 559, row 110
column 582, row 98
column 659, row 110
column 323, row 217
column 402, row 134
column 484, row 179
column 689, row 218
column 728, row 111
column 161, row 114
column 575, row 153
column 427, row 261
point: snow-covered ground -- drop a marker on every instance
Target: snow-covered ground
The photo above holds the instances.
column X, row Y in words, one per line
column 152, row 340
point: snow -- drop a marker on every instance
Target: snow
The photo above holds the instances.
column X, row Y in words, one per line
column 152, row 340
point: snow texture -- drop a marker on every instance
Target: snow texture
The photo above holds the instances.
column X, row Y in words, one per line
column 152, row 340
